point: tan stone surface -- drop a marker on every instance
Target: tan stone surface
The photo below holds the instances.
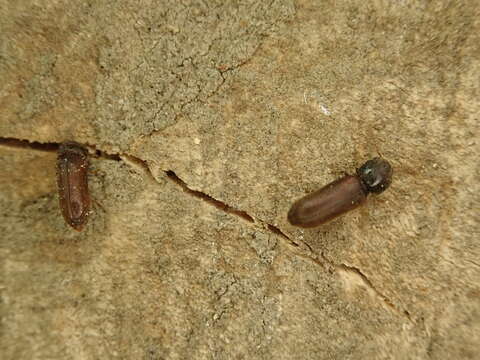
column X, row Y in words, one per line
column 253, row 104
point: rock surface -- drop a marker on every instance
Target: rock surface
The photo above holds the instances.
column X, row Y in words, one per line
column 218, row 116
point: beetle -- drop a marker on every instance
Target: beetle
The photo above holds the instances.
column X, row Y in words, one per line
column 342, row 195
column 72, row 181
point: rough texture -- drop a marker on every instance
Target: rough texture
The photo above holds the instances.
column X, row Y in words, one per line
column 250, row 106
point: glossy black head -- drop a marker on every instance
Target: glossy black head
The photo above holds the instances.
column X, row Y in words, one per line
column 376, row 175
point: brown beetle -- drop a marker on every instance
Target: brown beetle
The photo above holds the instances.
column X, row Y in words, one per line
column 341, row 195
column 72, row 180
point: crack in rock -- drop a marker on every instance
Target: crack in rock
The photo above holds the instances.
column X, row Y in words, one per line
column 26, row 144
column 339, row 268
column 368, row 284
column 209, row 199
column 300, row 251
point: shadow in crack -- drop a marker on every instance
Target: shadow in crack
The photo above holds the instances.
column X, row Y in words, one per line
column 217, row 203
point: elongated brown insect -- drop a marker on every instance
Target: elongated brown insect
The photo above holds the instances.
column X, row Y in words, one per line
column 72, row 180
column 341, row 195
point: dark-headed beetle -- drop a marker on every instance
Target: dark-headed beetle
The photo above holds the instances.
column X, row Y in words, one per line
column 342, row 195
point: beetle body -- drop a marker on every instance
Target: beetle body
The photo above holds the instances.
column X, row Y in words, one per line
column 72, row 181
column 341, row 195
column 336, row 198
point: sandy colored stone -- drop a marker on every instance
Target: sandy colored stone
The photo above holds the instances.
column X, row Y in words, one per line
column 253, row 104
